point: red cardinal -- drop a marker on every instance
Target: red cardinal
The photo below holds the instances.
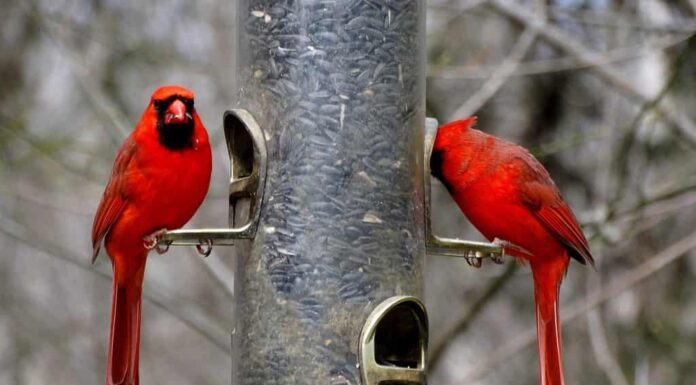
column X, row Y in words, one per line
column 509, row 197
column 160, row 177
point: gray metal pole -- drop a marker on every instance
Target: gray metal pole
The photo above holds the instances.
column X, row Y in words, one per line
column 337, row 87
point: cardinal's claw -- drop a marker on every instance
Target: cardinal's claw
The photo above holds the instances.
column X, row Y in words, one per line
column 497, row 258
column 208, row 247
column 150, row 242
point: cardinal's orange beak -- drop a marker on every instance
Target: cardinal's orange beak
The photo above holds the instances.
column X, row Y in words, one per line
column 176, row 113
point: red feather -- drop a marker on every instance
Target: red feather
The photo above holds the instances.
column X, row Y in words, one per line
column 540, row 194
column 561, row 222
column 115, row 196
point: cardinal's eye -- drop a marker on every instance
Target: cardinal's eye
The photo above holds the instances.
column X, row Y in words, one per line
column 189, row 105
column 159, row 105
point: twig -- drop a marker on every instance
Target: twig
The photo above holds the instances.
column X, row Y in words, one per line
column 501, row 74
column 659, row 204
column 603, row 355
column 47, row 202
column 566, row 42
column 603, row 19
column 629, row 140
column 598, row 339
column 642, row 371
column 568, row 63
column 461, row 8
column 99, row 101
column 464, row 320
column 35, row 143
column 596, row 298
column 217, row 270
column 692, row 5
column 615, row 20
column 629, row 128
column 16, row 232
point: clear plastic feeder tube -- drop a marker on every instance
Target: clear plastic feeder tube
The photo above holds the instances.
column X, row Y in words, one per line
column 337, row 87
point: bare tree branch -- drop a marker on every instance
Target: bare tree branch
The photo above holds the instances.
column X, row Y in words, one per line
column 501, row 74
column 464, row 320
column 692, row 4
column 35, row 143
column 602, row 352
column 618, row 285
column 564, row 41
column 593, row 17
column 537, row 67
column 676, row 199
column 598, row 339
column 217, row 270
column 614, row 20
column 83, row 74
column 190, row 318
column 452, row 15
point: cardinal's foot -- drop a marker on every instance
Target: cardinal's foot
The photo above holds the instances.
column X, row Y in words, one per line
column 150, row 242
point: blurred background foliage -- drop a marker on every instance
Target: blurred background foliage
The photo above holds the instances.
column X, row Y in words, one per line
column 601, row 91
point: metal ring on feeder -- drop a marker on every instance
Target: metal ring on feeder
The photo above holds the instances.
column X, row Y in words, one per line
column 205, row 252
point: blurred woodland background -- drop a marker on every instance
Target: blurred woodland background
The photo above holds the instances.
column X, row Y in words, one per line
column 601, row 91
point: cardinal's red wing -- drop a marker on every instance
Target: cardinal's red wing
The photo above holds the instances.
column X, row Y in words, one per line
column 115, row 198
column 541, row 196
column 561, row 222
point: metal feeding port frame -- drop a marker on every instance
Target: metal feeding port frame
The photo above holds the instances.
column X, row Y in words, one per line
column 473, row 252
column 246, row 146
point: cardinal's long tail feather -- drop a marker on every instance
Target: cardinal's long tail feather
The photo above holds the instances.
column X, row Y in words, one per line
column 547, row 282
column 124, row 340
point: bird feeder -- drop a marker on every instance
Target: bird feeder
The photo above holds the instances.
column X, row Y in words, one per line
column 337, row 88
column 329, row 194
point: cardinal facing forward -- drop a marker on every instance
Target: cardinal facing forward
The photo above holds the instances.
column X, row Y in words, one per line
column 509, row 196
column 159, row 179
